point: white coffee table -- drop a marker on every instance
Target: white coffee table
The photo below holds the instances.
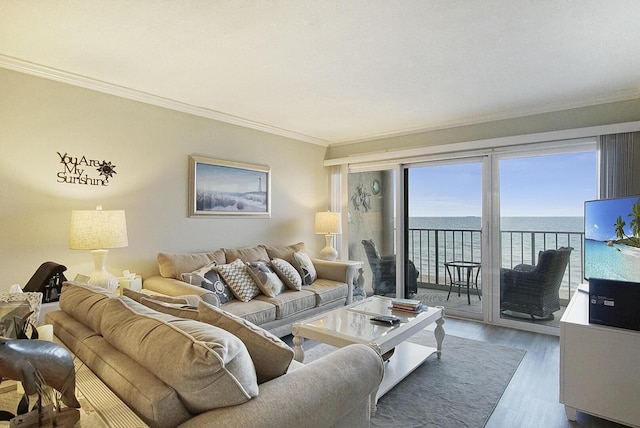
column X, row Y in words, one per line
column 352, row 324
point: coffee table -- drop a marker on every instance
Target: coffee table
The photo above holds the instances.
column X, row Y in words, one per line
column 352, row 324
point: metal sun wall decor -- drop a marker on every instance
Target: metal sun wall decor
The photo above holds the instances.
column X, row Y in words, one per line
column 85, row 171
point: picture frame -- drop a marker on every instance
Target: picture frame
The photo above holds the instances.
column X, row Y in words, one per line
column 224, row 188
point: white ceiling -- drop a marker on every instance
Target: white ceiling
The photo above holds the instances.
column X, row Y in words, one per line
column 335, row 71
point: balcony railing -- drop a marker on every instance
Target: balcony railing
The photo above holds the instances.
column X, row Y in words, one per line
column 429, row 249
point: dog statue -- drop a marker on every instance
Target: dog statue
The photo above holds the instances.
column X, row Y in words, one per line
column 28, row 361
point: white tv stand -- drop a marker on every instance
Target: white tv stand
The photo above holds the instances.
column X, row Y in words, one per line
column 599, row 366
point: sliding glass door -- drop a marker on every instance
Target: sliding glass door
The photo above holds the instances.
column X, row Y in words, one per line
column 444, row 234
column 542, row 233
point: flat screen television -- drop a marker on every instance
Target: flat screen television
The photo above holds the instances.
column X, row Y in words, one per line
column 612, row 239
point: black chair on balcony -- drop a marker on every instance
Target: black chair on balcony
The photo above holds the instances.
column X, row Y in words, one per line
column 534, row 290
column 383, row 269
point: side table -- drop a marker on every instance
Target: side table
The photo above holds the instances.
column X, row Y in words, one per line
column 459, row 266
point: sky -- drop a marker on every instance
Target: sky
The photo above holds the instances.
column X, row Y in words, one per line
column 227, row 179
column 540, row 186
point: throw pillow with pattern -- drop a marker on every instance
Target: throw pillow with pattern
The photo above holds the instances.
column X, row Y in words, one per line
column 197, row 277
column 306, row 268
column 236, row 276
column 287, row 273
column 265, row 278
column 214, row 282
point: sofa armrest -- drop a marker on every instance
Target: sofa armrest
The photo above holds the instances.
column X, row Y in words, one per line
column 333, row 391
column 175, row 287
column 341, row 271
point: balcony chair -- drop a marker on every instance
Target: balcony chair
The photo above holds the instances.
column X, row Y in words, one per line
column 383, row 269
column 534, row 290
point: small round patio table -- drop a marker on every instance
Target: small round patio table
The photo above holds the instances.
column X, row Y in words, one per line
column 457, row 279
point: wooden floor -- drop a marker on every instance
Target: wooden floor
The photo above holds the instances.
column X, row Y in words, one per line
column 531, row 398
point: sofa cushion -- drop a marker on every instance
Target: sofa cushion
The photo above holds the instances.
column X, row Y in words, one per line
column 206, row 365
column 177, row 310
column 239, row 281
column 265, row 278
column 85, row 303
column 187, row 299
column 284, row 252
column 247, row 254
column 173, row 265
column 256, row 311
column 327, row 291
column 287, row 273
column 271, row 356
column 305, row 267
column 291, row 302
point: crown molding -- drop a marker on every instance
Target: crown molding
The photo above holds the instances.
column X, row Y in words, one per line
column 624, row 95
column 38, row 70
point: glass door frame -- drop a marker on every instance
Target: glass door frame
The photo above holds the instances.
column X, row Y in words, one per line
column 490, row 229
column 543, row 149
column 485, row 227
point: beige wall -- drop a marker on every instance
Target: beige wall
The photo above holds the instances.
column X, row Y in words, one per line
column 150, row 148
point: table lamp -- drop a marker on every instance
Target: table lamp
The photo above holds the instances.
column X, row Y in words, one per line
column 328, row 224
column 97, row 231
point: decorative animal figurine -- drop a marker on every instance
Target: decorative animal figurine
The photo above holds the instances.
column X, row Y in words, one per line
column 21, row 358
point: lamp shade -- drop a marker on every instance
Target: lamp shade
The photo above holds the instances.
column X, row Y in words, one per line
column 92, row 230
column 328, row 223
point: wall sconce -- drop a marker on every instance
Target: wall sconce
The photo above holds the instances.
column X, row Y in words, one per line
column 97, row 231
column 328, row 224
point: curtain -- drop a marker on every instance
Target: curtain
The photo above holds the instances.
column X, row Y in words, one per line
column 616, row 165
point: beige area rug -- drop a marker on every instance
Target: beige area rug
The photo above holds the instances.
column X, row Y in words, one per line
column 460, row 390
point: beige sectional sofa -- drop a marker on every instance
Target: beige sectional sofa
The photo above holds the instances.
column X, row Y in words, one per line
column 179, row 366
column 331, row 286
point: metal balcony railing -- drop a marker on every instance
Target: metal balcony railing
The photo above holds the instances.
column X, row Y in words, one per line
column 429, row 249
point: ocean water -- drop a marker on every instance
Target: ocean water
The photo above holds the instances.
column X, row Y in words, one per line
column 537, row 224
column 619, row 262
column 458, row 238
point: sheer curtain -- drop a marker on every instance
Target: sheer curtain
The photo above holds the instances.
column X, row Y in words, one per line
column 616, row 153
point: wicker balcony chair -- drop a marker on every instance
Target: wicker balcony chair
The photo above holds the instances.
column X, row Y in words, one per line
column 383, row 269
column 534, row 290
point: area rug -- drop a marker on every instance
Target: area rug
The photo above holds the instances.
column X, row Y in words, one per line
column 460, row 390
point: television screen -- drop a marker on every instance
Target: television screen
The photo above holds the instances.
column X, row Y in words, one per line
column 612, row 239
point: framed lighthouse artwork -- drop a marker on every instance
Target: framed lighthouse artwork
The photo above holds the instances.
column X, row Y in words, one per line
column 224, row 188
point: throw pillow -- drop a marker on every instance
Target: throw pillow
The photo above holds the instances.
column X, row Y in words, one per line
column 307, row 270
column 197, row 277
column 265, row 278
column 235, row 274
column 218, row 286
column 287, row 273
column 271, row 356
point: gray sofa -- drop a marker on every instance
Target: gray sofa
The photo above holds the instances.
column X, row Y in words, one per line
column 333, row 287
column 210, row 369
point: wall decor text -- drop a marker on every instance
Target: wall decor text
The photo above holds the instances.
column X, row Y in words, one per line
column 84, row 170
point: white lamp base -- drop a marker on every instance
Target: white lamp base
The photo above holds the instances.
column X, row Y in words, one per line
column 100, row 276
column 328, row 252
